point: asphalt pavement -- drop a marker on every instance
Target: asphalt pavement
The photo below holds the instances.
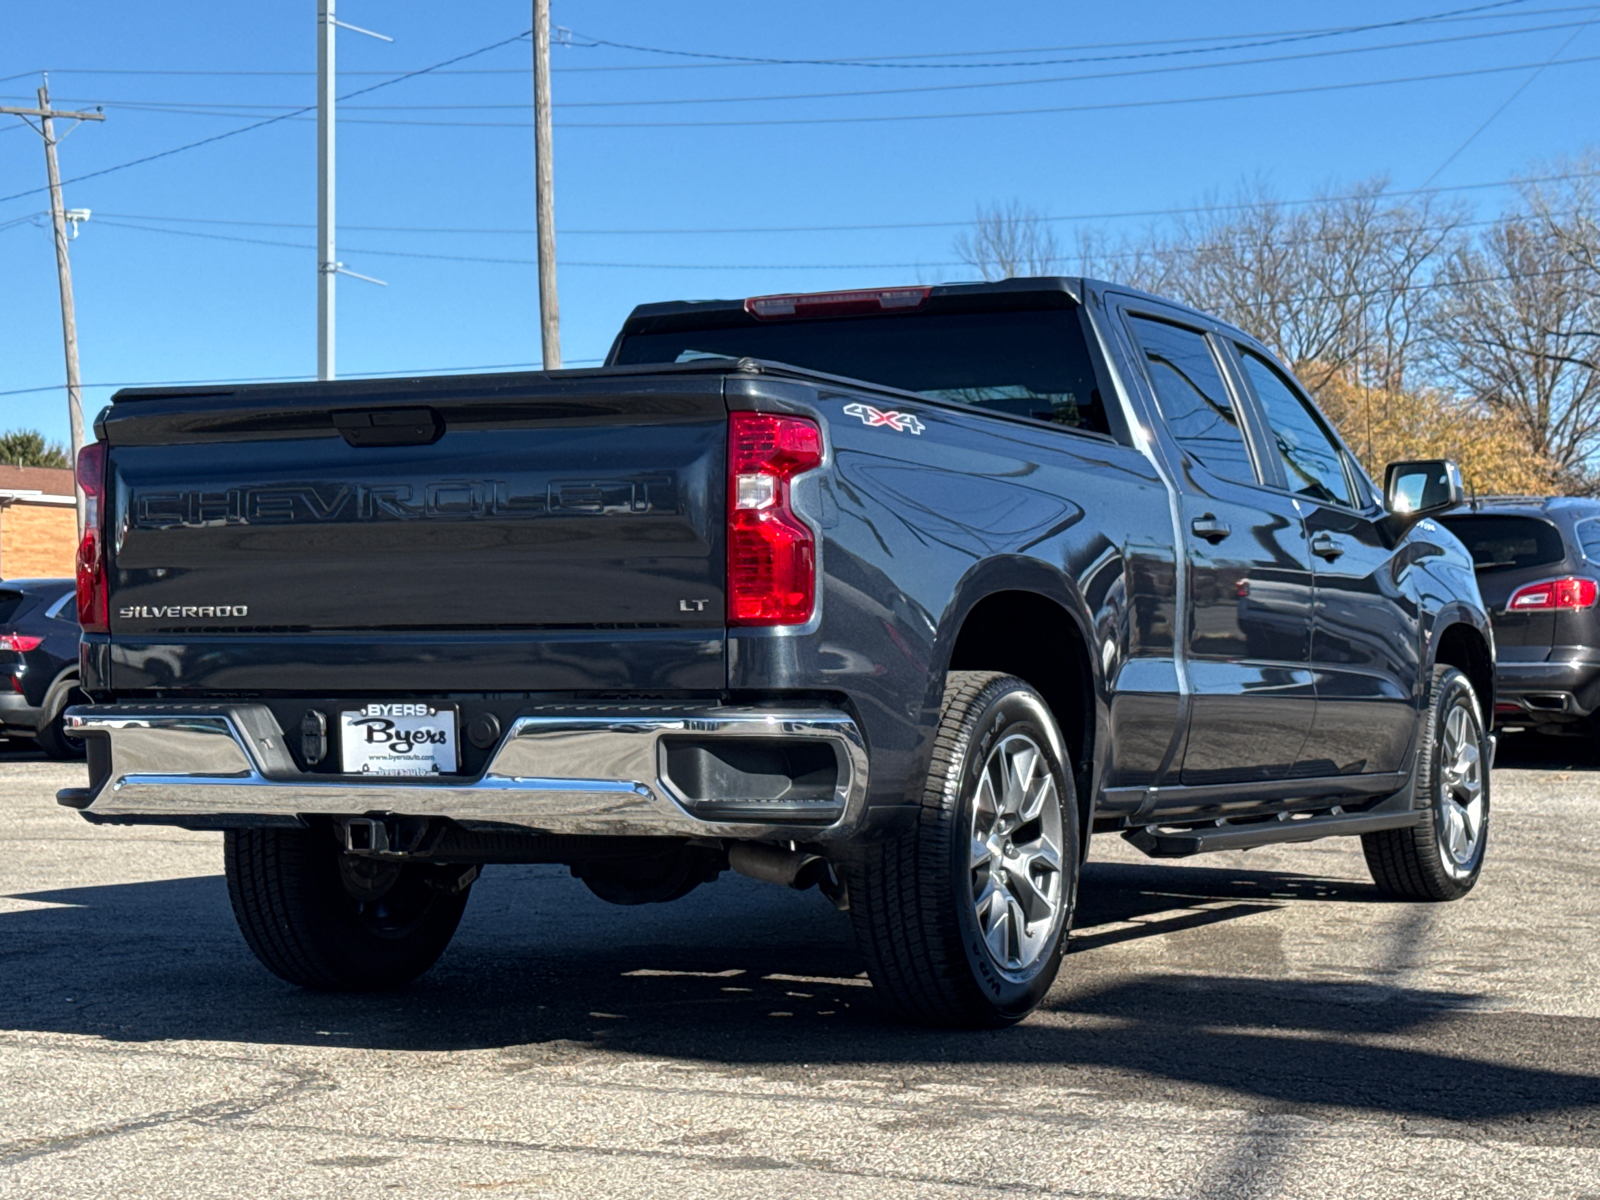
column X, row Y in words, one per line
column 1252, row 1024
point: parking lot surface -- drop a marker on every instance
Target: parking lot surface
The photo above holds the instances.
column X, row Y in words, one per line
column 1251, row 1024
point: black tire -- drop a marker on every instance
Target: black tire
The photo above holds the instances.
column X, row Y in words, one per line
column 912, row 901
column 53, row 737
column 1423, row 863
column 329, row 921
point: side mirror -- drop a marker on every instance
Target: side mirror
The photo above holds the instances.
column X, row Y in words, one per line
column 1414, row 489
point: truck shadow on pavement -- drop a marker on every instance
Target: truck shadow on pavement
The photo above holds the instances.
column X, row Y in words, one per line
column 751, row 977
column 1545, row 752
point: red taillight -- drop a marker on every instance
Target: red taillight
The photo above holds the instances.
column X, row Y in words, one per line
column 836, row 304
column 772, row 554
column 92, row 603
column 18, row 641
column 1552, row 595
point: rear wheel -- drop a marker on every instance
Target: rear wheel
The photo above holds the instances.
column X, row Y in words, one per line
column 1441, row 858
column 963, row 919
column 324, row 919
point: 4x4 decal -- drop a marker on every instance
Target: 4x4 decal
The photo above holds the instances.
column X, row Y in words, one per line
column 898, row 421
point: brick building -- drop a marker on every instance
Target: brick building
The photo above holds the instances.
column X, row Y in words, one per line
column 38, row 523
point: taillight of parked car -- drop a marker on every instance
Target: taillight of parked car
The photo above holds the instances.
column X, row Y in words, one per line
column 19, row 641
column 772, row 553
column 1552, row 595
column 92, row 601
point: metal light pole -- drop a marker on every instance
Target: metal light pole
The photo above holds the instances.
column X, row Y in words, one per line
column 544, row 189
column 328, row 265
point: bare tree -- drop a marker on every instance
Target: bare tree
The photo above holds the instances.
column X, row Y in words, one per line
column 1386, row 307
column 1010, row 240
column 1337, row 286
column 1340, row 286
column 1517, row 328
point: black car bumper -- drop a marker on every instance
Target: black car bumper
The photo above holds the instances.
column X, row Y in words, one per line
column 17, row 716
column 1546, row 693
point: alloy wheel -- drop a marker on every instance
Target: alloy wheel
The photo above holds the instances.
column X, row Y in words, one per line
column 1014, row 863
column 1462, row 800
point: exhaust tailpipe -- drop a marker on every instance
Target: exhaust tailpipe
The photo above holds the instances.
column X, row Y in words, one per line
column 787, row 868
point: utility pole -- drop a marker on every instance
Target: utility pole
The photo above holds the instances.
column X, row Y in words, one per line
column 328, row 264
column 69, row 321
column 544, row 188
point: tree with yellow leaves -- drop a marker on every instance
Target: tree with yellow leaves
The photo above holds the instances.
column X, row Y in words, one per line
column 1491, row 447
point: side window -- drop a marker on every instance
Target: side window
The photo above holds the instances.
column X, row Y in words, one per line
column 1311, row 460
column 1589, row 537
column 1194, row 401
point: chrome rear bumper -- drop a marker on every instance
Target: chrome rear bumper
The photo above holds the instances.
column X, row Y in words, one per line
column 600, row 770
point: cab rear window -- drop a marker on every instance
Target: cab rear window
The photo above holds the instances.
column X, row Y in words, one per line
column 1508, row 543
column 1029, row 363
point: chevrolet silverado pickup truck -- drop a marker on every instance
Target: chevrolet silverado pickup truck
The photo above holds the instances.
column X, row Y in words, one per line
column 901, row 593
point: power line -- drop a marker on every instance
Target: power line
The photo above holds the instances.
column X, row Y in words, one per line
column 883, row 226
column 1435, row 285
column 1364, row 293
column 1509, row 100
column 893, row 64
column 521, row 262
column 105, row 216
column 223, row 108
column 1441, row 228
column 1121, row 74
column 1270, row 93
column 1232, row 37
column 270, row 120
column 294, row 378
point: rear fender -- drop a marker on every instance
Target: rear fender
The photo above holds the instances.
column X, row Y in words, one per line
column 1014, row 573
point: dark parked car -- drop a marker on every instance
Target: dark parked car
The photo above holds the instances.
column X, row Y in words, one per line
column 39, row 662
column 1538, row 565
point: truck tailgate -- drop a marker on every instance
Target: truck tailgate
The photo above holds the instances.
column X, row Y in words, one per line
column 479, row 527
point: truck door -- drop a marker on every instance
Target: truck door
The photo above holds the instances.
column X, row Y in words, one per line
column 1364, row 633
column 1248, row 638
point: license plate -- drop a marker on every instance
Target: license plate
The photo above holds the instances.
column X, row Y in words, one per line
column 398, row 739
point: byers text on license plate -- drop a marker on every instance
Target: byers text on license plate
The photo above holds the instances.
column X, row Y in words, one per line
column 398, row 739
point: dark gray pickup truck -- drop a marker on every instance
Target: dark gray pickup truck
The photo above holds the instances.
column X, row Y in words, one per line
column 898, row 593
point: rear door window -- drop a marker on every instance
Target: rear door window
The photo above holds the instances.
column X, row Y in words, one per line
column 1194, row 401
column 1311, row 461
column 1499, row 543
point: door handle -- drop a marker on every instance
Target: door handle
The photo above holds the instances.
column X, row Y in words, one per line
column 1325, row 545
column 1209, row 528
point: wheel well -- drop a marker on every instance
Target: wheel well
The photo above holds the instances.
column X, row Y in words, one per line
column 1037, row 640
column 60, row 689
column 1463, row 647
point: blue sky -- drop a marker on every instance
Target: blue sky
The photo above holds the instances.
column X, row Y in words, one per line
column 452, row 151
